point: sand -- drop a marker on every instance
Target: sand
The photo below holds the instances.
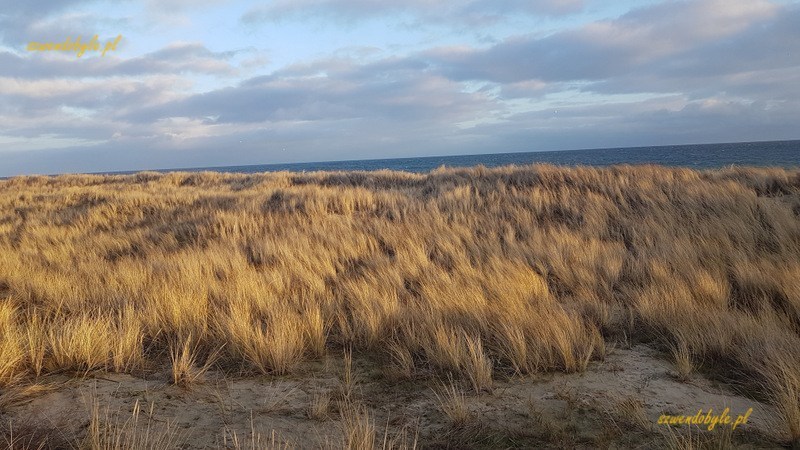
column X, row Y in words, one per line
column 616, row 403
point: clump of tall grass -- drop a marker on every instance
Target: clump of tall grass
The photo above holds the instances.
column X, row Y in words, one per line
column 12, row 350
column 319, row 407
column 274, row 345
column 186, row 369
column 783, row 388
column 358, row 428
column 94, row 342
column 682, row 359
column 453, row 403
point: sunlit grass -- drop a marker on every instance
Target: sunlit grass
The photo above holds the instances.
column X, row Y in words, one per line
column 474, row 273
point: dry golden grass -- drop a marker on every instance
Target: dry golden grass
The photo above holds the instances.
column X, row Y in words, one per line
column 402, row 359
column 693, row 438
column 682, row 360
column 185, row 362
column 784, row 388
column 319, row 408
column 255, row 440
column 115, row 431
column 477, row 272
column 348, row 379
column 359, row 431
column 12, row 351
column 632, row 413
column 453, row 403
column 31, row 436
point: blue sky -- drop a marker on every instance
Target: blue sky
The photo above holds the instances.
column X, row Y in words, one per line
column 214, row 82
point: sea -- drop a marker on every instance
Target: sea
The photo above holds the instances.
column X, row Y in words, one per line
column 700, row 156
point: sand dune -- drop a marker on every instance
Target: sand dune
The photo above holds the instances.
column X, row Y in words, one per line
column 511, row 307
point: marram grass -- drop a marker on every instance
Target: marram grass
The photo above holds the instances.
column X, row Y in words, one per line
column 474, row 273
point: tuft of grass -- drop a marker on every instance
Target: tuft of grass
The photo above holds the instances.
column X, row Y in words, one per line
column 406, row 438
column 513, row 346
column 358, row 428
column 784, row 389
column 127, row 346
column 319, row 408
column 12, row 351
column 316, row 332
column 185, row 368
column 402, row 360
column 682, row 358
column 255, row 440
column 274, row 348
column 551, row 430
column 631, row 411
column 140, row 430
column 477, row 365
column 693, row 438
column 81, row 344
column 688, row 440
column 453, row 403
column 348, row 378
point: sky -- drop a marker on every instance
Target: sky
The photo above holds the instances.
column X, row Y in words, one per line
column 201, row 83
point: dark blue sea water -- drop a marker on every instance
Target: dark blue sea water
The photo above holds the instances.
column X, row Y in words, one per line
column 703, row 156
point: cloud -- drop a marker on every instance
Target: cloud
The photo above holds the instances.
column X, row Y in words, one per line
column 605, row 49
column 328, row 105
column 540, row 7
column 667, row 120
column 754, row 65
column 475, row 11
column 37, row 7
column 175, row 58
column 179, row 57
column 661, row 121
column 177, row 13
column 173, row 6
column 24, row 21
column 88, row 109
column 332, row 89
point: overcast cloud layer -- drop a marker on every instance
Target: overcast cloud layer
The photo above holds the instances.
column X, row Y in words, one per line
column 215, row 83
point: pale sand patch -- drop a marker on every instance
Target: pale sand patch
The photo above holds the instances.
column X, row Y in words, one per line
column 540, row 411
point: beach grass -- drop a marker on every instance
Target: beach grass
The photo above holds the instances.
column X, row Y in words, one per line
column 470, row 273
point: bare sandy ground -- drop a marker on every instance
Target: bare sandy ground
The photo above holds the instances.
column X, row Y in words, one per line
column 614, row 404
